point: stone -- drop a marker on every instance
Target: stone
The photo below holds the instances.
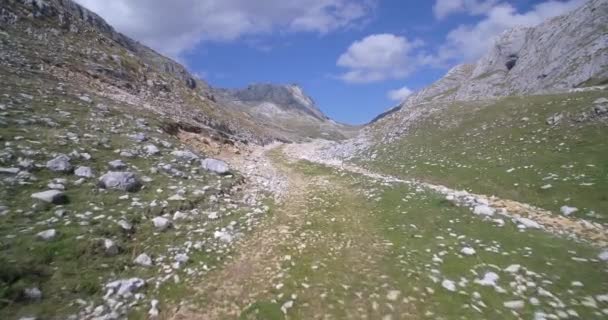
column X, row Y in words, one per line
column 151, row 150
column 51, row 196
column 125, row 181
column 514, row 304
column 216, row 166
column 392, row 295
column 566, row 210
column 143, row 260
column 85, row 172
column 9, row 170
column 32, row 293
column 483, row 210
column 47, row 235
column 161, row 223
column 117, row 164
column 223, row 236
column 138, row 137
column 555, row 119
column 449, row 285
column 61, row 163
column 153, row 312
column 603, row 255
column 124, row 287
column 185, row 155
column 125, row 225
column 110, row 247
column 467, row 251
column 182, row 258
column 528, row 223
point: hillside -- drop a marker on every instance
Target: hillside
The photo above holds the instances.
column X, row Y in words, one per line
column 130, row 189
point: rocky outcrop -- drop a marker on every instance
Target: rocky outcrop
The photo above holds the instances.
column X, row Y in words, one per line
column 563, row 53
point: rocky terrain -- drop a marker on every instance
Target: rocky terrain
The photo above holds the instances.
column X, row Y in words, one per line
column 286, row 108
column 131, row 189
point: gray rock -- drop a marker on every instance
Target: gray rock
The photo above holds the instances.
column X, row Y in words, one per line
column 151, row 150
column 125, row 181
column 555, row 119
column 32, row 293
column 143, row 260
column 124, row 287
column 9, row 170
column 117, row 164
column 161, row 223
column 603, row 255
column 139, row 137
column 47, row 235
column 125, row 225
column 85, row 172
column 600, row 110
column 185, row 155
column 214, row 165
column 110, row 247
column 61, row 163
column 51, row 196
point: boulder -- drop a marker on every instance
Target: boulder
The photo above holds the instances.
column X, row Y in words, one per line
column 85, row 172
column 125, row 181
column 47, row 235
column 143, row 260
column 61, row 163
column 483, row 210
column 124, row 287
column 216, row 166
column 117, row 164
column 185, row 155
column 110, row 247
column 161, row 223
column 51, row 196
column 151, row 150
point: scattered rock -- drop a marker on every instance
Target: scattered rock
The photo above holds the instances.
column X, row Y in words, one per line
column 47, row 235
column 153, row 312
column 483, row 210
column 138, row 137
column 151, row 150
column 214, row 165
column 125, row 225
column 125, row 181
column 110, row 247
column 566, row 210
column 32, row 293
column 603, row 255
column 51, row 196
column 124, row 287
column 185, row 155
column 467, row 251
column 514, row 304
column 555, row 119
column 143, row 260
column 61, row 163
column 85, row 172
column 392, row 295
column 117, row 164
column 449, row 285
column 161, row 223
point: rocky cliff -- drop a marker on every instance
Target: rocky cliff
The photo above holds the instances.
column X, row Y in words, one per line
column 563, row 53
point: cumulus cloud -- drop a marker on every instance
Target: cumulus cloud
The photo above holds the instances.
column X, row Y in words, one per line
column 469, row 42
column 174, row 27
column 377, row 57
column 444, row 8
column 399, row 94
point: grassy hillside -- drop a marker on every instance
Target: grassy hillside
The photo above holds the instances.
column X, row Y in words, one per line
column 506, row 148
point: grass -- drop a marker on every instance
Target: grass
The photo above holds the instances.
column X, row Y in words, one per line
column 506, row 148
column 74, row 266
column 363, row 239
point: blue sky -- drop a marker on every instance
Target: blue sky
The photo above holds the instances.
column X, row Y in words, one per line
column 348, row 55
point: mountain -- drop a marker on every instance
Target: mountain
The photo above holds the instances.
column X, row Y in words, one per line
column 560, row 54
column 565, row 53
column 75, row 45
column 287, row 109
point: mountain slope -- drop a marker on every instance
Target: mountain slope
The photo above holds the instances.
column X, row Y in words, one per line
column 566, row 52
column 286, row 108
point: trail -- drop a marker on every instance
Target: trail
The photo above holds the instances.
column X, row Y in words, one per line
column 346, row 243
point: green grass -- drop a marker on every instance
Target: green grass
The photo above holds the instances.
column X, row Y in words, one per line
column 490, row 148
column 74, row 266
column 368, row 238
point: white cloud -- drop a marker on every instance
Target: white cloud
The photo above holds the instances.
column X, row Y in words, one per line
column 399, row 94
column 469, row 42
column 444, row 8
column 377, row 57
column 174, row 27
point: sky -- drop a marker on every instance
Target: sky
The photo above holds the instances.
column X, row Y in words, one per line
column 355, row 58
